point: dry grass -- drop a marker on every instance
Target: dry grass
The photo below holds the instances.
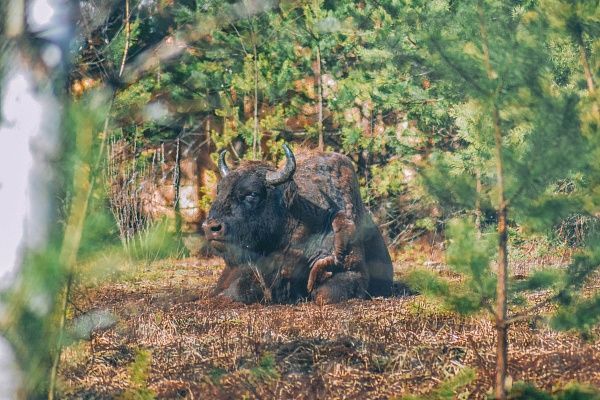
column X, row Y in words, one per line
column 210, row 348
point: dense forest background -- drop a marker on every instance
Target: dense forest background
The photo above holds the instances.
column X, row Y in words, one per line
column 389, row 84
column 473, row 126
column 248, row 77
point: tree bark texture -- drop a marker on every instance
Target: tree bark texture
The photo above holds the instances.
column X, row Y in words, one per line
column 320, row 99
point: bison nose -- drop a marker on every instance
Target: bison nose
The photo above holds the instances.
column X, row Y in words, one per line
column 213, row 229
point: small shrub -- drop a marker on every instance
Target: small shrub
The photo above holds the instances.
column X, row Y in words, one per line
column 138, row 376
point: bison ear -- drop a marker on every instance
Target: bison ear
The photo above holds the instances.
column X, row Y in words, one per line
column 289, row 194
column 283, row 175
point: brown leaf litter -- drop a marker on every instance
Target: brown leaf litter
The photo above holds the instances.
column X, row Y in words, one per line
column 208, row 348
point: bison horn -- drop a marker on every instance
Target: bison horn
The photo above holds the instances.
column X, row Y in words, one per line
column 222, row 164
column 278, row 177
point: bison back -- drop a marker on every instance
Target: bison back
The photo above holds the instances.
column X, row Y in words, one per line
column 326, row 184
column 328, row 181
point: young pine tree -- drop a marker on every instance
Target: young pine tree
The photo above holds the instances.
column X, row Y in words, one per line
column 521, row 136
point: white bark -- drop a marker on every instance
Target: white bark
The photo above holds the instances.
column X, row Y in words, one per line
column 10, row 377
column 29, row 133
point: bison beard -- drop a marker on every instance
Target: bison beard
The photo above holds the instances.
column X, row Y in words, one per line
column 297, row 232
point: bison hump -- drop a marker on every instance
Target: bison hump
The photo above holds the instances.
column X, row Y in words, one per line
column 329, row 182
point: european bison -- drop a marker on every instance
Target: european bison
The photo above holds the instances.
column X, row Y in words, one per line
column 296, row 232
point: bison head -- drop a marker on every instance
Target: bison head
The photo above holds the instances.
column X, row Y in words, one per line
column 249, row 214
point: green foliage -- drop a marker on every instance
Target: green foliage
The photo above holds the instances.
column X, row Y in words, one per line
column 540, row 133
column 428, row 283
column 583, row 265
column 116, row 48
column 100, row 232
column 139, row 371
column 581, row 315
column 31, row 326
column 451, row 187
column 157, row 241
column 449, row 389
column 576, row 391
column 572, row 391
column 471, row 256
column 468, row 256
column 541, row 279
column 265, row 369
column 456, row 297
column 516, row 67
column 385, row 179
column 406, row 84
column 216, row 374
column 363, row 49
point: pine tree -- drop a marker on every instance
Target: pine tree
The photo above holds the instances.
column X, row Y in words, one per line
column 521, row 137
column 576, row 27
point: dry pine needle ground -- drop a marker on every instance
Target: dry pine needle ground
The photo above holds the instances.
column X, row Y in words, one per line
column 206, row 348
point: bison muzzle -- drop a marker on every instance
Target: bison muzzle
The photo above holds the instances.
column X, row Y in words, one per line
column 297, row 232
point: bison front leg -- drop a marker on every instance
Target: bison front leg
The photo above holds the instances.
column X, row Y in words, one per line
column 344, row 232
column 239, row 284
column 340, row 287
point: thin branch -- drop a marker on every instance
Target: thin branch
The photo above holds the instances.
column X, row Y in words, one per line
column 529, row 313
column 127, row 37
column 589, row 76
column 84, row 181
column 320, row 98
column 457, row 69
column 240, row 37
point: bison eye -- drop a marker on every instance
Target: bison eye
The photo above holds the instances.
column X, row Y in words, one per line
column 251, row 197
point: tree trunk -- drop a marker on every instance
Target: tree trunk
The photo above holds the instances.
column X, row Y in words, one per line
column 589, row 76
column 255, row 136
column 478, row 190
column 319, row 80
column 176, row 187
column 501, row 305
column 127, row 24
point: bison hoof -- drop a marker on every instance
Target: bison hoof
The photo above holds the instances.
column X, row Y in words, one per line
column 319, row 273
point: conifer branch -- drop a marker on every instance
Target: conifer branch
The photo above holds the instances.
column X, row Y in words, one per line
column 529, row 313
column 72, row 238
column 456, row 68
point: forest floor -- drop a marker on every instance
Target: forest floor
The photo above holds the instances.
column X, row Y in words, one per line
column 163, row 336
